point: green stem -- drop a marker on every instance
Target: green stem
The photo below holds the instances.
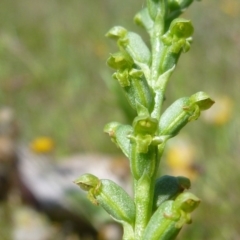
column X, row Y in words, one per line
column 128, row 232
column 159, row 88
column 143, row 200
column 156, row 43
column 144, row 191
column 143, row 196
column 157, row 46
column 158, row 101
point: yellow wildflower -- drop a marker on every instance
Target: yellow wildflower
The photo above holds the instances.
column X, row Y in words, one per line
column 180, row 158
column 42, row 145
column 230, row 7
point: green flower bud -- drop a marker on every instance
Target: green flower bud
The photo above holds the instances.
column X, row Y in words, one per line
column 123, row 77
column 87, row 181
column 110, row 129
column 178, row 36
column 173, row 4
column 187, row 202
column 178, row 4
column 145, row 125
column 202, row 99
column 181, row 28
column 119, row 60
column 132, row 44
column 176, row 40
column 142, row 142
column 90, row 183
column 116, row 32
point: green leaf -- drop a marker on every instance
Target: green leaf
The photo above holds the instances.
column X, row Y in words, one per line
column 161, row 83
column 159, row 88
column 141, row 110
column 116, row 202
column 174, row 118
column 144, row 20
column 136, row 88
column 169, row 218
column 142, row 156
column 168, row 188
column 133, row 44
column 160, row 224
column 176, row 8
column 157, row 8
column 122, row 133
column 119, row 135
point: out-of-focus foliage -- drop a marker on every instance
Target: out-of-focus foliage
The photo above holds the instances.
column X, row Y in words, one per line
column 52, row 73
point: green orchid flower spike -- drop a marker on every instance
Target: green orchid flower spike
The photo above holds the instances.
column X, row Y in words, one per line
column 159, row 207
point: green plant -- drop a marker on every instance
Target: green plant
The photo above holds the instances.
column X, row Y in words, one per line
column 160, row 207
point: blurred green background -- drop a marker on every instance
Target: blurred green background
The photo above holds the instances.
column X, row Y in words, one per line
column 53, row 74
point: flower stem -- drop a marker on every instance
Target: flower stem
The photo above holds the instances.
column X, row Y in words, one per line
column 143, row 195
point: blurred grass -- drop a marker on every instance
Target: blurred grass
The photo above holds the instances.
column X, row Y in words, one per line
column 52, row 54
column 52, row 70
